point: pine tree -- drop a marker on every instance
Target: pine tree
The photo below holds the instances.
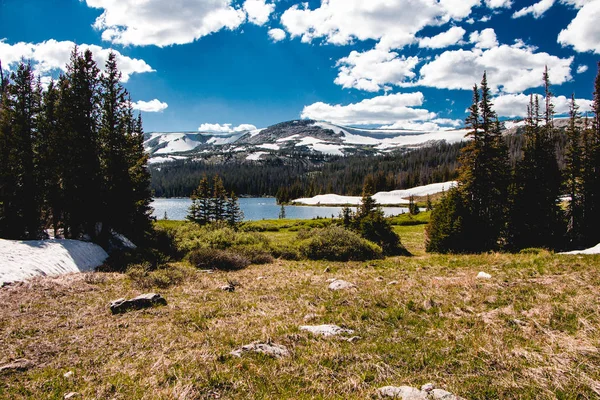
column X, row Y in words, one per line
column 233, row 213
column 367, row 204
column 194, row 210
column 429, row 206
column 219, row 199
column 413, row 209
column 282, row 212
column 574, row 169
column 204, row 201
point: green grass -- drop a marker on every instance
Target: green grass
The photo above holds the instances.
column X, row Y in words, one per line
column 530, row 332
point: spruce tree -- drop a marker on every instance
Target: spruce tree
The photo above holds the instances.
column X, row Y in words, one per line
column 194, row 210
column 219, row 199
column 573, row 172
column 204, row 201
column 233, row 213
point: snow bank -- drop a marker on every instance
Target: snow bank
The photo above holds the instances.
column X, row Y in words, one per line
column 591, row 250
column 26, row 259
column 393, row 197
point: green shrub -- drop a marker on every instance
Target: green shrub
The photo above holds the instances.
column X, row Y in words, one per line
column 286, row 252
column 224, row 260
column 335, row 243
column 259, row 227
column 376, row 228
column 144, row 276
column 256, row 254
column 189, row 237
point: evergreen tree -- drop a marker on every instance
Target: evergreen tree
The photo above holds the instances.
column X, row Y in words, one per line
column 219, row 199
column 429, row 206
column 233, row 213
column 282, row 212
column 194, row 210
column 574, row 169
column 367, row 204
column 445, row 231
column 413, row 209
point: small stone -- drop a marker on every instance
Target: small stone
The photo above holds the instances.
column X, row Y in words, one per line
column 228, row 288
column 439, row 394
column 68, row 374
column 483, row 275
column 271, row 349
column 402, row 392
column 379, row 279
column 353, row 339
column 428, row 387
column 393, row 283
column 137, row 303
column 71, row 395
column 326, row 330
column 21, row 364
column 341, row 285
column 260, row 278
column 331, row 280
column 326, row 270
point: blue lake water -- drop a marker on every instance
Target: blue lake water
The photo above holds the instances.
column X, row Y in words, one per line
column 256, row 209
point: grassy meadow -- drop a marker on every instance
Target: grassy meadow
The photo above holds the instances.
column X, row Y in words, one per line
column 529, row 332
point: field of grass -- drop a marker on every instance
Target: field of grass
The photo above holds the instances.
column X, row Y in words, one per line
column 529, row 332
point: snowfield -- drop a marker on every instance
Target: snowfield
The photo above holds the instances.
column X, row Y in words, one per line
column 20, row 260
column 591, row 250
column 393, row 197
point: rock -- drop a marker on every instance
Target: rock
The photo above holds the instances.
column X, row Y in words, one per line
column 402, row 392
column 71, row 395
column 271, row 349
column 439, row 394
column 428, row 387
column 228, row 288
column 339, row 284
column 393, row 283
column 379, row 279
column 68, row 374
column 483, row 275
column 326, row 330
column 353, row 339
column 331, row 280
column 137, row 303
column 21, row 364
column 118, row 242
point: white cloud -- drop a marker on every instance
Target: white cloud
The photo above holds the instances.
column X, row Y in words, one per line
column 515, row 105
column 225, row 128
column 164, row 23
column 583, row 33
column 371, row 70
column 512, row 69
column 379, row 110
column 150, row 106
column 537, row 10
column 51, row 55
column 393, row 22
column 576, row 3
column 438, row 124
column 499, row 3
column 277, row 34
column 486, row 39
column 258, row 11
column 485, row 18
column 451, row 37
column 581, row 69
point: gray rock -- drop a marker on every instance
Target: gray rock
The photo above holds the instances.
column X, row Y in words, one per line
column 326, row 330
column 137, row 303
column 71, row 395
column 439, row 394
column 21, row 364
column 271, row 349
column 228, row 288
column 402, row 392
column 339, row 284
column 428, row 387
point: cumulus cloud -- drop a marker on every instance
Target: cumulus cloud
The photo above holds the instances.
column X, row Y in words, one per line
column 389, row 109
column 258, row 11
column 486, row 39
column 511, row 69
column 371, row 70
column 150, row 106
column 499, row 3
column 536, row 10
column 225, row 128
column 451, row 37
column 581, row 69
column 164, row 23
column 576, row 3
column 438, row 124
column 394, row 23
column 583, row 33
column 515, row 105
column 51, row 55
column 277, row 34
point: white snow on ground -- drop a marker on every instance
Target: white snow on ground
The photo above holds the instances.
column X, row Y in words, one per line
column 21, row 260
column 256, row 156
column 393, row 197
column 288, row 139
column 219, row 141
column 269, row 146
column 591, row 250
column 255, row 132
column 160, row 160
column 411, row 140
column 321, row 146
column 176, row 143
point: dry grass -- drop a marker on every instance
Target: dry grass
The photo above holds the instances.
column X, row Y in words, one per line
column 531, row 332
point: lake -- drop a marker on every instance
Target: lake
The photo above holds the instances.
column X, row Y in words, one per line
column 256, row 209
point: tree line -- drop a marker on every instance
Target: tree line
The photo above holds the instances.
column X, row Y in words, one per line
column 499, row 204
column 71, row 154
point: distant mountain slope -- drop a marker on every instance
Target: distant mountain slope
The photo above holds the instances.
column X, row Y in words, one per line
column 299, row 137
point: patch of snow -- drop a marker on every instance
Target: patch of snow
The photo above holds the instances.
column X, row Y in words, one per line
column 222, row 140
column 331, row 149
column 288, row 139
column 256, row 156
column 255, row 132
column 269, row 146
column 591, row 250
column 20, row 260
column 176, row 143
column 160, row 160
column 393, row 197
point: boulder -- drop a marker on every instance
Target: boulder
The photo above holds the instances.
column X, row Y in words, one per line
column 402, row 392
column 137, row 303
column 339, row 284
column 271, row 349
column 326, row 330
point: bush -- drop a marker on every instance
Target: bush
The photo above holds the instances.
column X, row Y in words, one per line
column 189, row 237
column 335, row 243
column 144, row 276
column 445, row 232
column 224, row 260
column 286, row 252
column 376, row 228
column 255, row 254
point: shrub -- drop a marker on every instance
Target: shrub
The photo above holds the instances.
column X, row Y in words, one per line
column 255, row 254
column 286, row 252
column 144, row 276
column 376, row 228
column 224, row 260
column 335, row 243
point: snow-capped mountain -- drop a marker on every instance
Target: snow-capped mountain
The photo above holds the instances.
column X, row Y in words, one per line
column 288, row 139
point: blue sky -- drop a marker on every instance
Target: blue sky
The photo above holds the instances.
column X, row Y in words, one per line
column 223, row 65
